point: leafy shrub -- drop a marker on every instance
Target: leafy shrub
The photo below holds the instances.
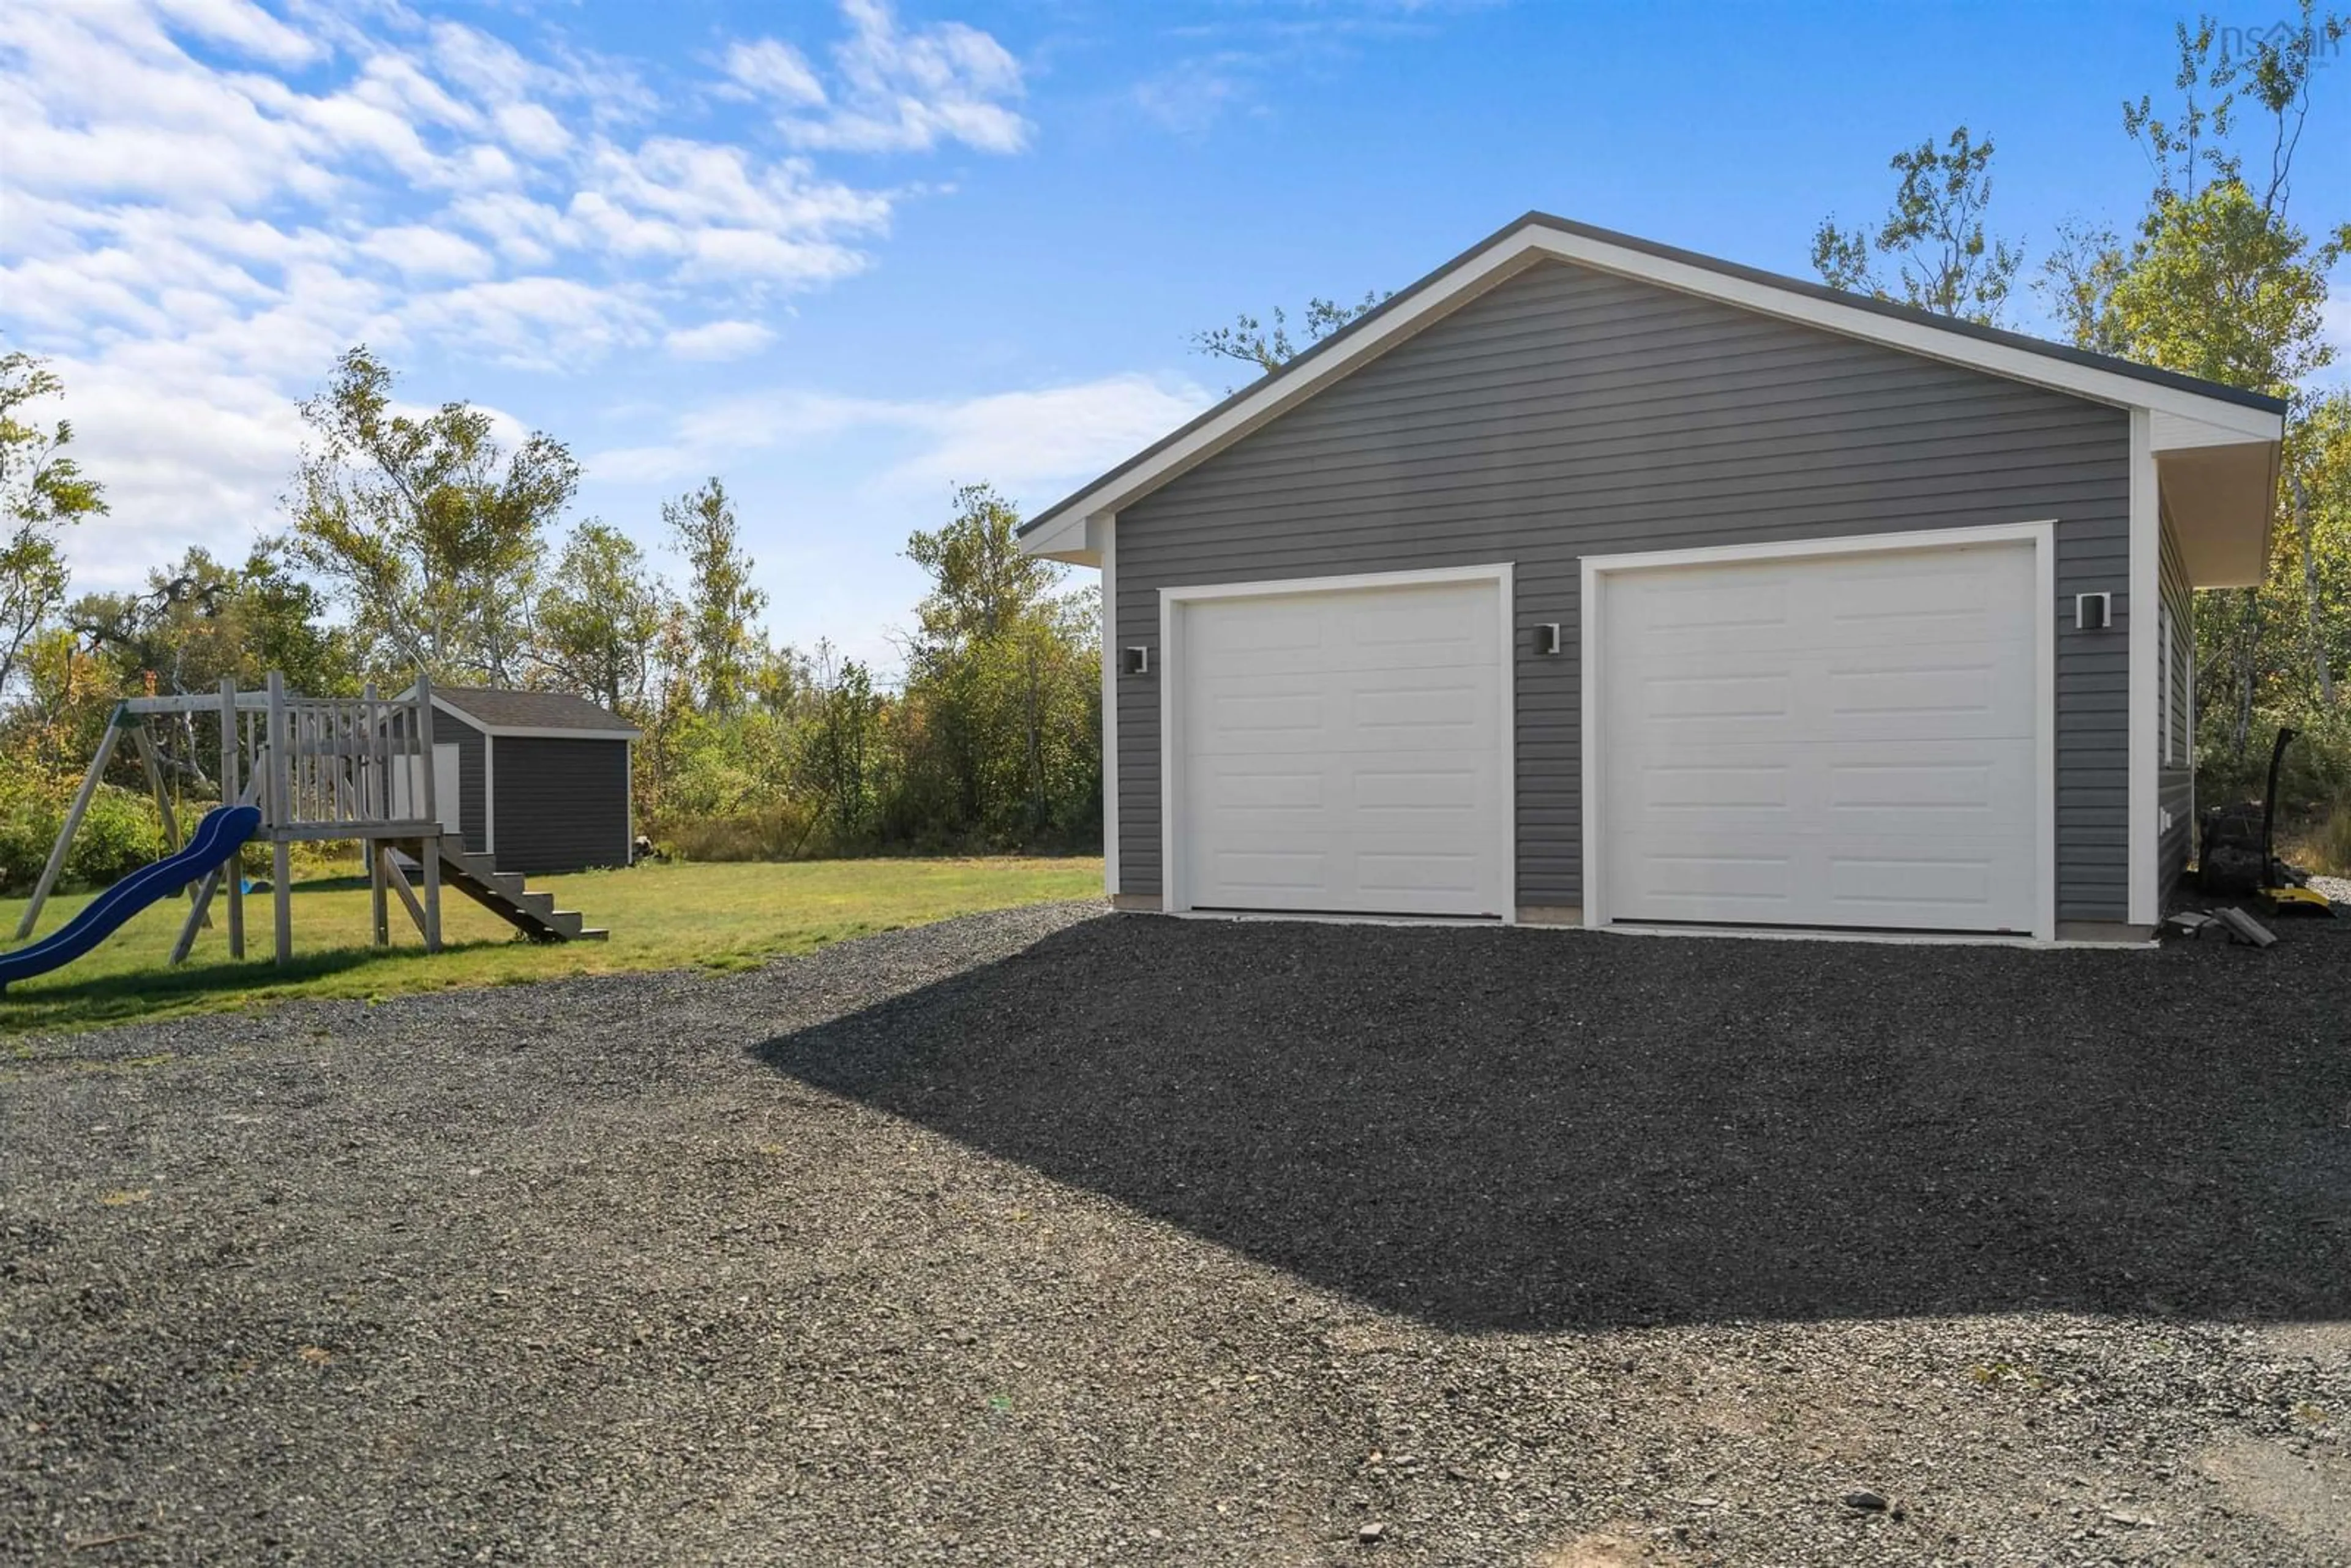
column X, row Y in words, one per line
column 775, row 831
column 2314, row 782
column 2328, row 849
column 118, row 834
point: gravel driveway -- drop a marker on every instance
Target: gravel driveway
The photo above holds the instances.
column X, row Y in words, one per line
column 1044, row 1237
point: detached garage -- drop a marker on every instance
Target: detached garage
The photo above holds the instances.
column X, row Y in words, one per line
column 1589, row 580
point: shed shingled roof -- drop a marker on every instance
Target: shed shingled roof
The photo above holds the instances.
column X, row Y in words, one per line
column 533, row 710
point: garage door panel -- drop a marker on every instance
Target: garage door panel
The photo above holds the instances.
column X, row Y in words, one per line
column 1342, row 751
column 1323, row 711
column 1272, row 873
column 1433, row 869
column 1957, row 883
column 1682, row 878
column 1243, row 714
column 1442, row 874
column 1694, row 695
column 1434, row 717
column 1266, row 785
column 1410, row 784
column 1759, row 601
column 1870, row 759
column 1736, row 780
column 1229, row 641
column 1350, row 792
column 1974, row 781
column 1453, row 626
column 1961, row 596
column 1959, row 873
column 1929, row 787
column 1933, row 692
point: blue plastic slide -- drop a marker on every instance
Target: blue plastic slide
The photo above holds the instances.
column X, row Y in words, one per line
column 217, row 838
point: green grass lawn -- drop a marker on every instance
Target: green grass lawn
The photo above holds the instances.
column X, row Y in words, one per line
column 661, row 916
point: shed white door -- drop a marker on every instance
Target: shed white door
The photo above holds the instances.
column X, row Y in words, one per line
column 1830, row 741
column 1342, row 750
column 408, row 786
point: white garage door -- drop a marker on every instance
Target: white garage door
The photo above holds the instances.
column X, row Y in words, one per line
column 1341, row 751
column 1829, row 741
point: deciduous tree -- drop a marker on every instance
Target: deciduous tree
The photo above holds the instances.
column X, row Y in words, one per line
column 1252, row 342
column 429, row 528
column 1933, row 235
column 2219, row 280
column 600, row 618
column 722, row 606
column 43, row 492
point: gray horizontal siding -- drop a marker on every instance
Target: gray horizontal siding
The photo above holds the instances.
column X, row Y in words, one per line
column 562, row 805
column 1566, row 414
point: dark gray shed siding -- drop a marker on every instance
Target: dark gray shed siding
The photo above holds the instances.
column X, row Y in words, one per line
column 1568, row 411
column 562, row 804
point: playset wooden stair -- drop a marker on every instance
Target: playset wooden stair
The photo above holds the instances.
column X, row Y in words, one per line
column 503, row 893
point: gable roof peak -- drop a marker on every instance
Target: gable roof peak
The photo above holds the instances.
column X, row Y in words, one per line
column 2207, row 413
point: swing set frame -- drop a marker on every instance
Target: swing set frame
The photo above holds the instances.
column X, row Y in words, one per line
column 319, row 768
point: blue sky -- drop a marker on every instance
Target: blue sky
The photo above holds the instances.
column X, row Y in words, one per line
column 845, row 256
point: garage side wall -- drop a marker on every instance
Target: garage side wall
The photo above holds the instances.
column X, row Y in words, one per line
column 1568, row 413
column 562, row 805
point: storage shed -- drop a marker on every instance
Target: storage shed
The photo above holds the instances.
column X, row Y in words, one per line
column 1589, row 580
column 538, row 779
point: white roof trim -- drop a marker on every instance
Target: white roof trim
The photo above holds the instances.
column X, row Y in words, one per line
column 2193, row 418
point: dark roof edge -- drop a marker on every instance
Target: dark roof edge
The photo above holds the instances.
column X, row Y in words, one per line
column 2174, row 379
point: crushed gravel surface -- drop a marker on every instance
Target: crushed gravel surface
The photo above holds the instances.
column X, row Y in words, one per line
column 1047, row 1237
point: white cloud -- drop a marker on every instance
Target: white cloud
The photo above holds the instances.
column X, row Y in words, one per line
column 525, row 232
column 242, row 25
column 536, row 323
column 757, row 252
column 422, row 252
column 718, row 340
column 1223, row 64
column 207, row 199
column 1191, row 96
column 1030, row 443
column 491, row 71
column 776, row 69
column 1022, row 441
column 199, row 458
column 908, row 91
column 532, row 130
